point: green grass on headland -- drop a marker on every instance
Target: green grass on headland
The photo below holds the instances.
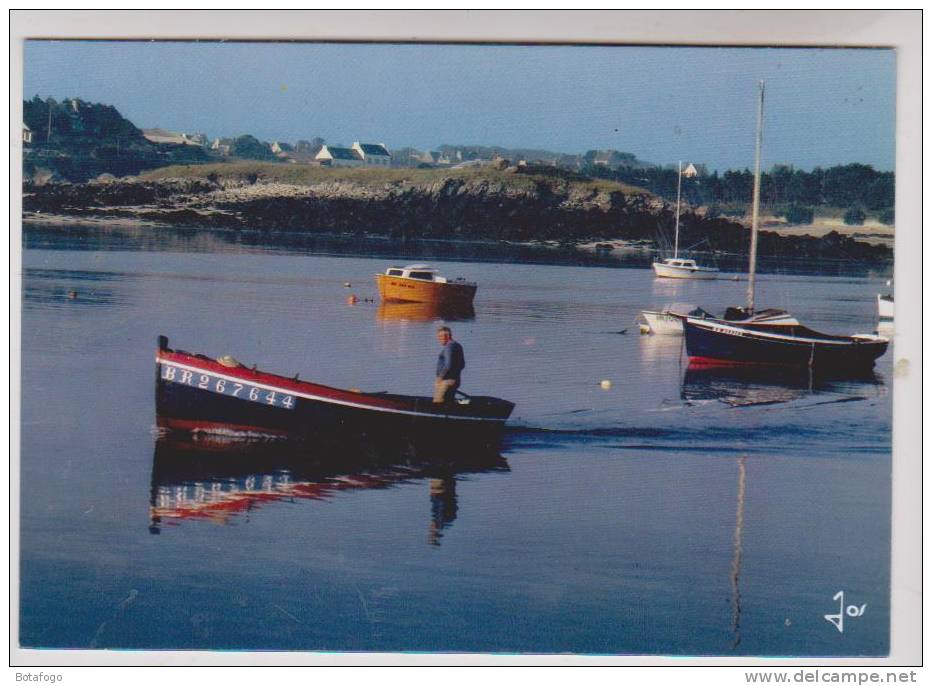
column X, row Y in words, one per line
column 309, row 175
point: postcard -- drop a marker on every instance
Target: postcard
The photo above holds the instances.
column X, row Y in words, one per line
column 526, row 345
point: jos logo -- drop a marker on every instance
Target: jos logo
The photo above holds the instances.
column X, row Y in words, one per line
column 851, row 611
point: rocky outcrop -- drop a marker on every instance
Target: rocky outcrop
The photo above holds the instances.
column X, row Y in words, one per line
column 497, row 205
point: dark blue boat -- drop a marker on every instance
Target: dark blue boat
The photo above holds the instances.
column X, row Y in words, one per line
column 744, row 337
column 716, row 341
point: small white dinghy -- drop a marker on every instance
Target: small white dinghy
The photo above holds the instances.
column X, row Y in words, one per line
column 669, row 320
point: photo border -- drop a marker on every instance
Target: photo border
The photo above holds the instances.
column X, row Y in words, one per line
column 897, row 29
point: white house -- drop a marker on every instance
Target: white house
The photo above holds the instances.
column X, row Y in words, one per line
column 339, row 157
column 373, row 154
column 222, row 146
column 282, row 149
column 27, row 134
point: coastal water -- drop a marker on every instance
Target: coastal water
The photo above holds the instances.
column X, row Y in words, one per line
column 669, row 511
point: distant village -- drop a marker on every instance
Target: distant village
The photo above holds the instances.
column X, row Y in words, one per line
column 73, row 119
column 360, row 154
column 73, row 140
column 77, row 140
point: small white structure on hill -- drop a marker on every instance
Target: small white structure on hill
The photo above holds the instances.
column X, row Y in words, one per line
column 222, row 146
column 282, row 149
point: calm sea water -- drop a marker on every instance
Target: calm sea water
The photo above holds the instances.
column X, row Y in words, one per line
column 675, row 512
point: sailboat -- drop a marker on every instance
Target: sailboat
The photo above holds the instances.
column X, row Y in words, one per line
column 676, row 267
column 738, row 338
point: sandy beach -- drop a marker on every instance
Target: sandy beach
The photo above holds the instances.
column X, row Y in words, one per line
column 871, row 231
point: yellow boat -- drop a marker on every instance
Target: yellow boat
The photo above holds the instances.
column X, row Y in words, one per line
column 423, row 283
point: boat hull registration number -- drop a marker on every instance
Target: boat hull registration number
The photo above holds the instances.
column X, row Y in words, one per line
column 223, row 386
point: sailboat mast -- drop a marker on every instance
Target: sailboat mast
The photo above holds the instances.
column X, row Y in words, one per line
column 752, row 266
column 676, row 235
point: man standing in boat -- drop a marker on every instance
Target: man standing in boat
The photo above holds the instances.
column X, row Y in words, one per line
column 450, row 366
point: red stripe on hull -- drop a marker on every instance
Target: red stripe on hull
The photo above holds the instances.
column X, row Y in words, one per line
column 713, row 362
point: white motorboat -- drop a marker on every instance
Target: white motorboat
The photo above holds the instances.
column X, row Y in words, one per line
column 677, row 268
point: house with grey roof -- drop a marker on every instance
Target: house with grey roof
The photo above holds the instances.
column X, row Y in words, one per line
column 373, row 154
column 334, row 156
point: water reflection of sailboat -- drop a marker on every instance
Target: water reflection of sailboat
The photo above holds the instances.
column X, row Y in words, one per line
column 736, row 559
column 218, row 480
column 742, row 386
column 425, row 312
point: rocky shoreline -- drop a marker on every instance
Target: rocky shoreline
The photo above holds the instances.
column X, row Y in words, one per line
column 517, row 207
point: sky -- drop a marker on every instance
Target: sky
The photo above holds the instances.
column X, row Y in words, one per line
column 823, row 106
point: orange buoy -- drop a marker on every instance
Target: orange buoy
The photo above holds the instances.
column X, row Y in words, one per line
column 352, row 300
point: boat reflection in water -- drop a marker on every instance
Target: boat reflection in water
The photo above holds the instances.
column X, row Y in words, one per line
column 740, row 386
column 443, row 507
column 425, row 312
column 660, row 351
column 216, row 479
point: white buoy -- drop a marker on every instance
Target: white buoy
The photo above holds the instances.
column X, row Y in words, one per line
column 606, row 384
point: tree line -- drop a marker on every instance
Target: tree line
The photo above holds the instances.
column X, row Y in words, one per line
column 785, row 190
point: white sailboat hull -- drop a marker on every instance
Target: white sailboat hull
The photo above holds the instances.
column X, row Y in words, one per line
column 663, row 323
column 668, row 271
